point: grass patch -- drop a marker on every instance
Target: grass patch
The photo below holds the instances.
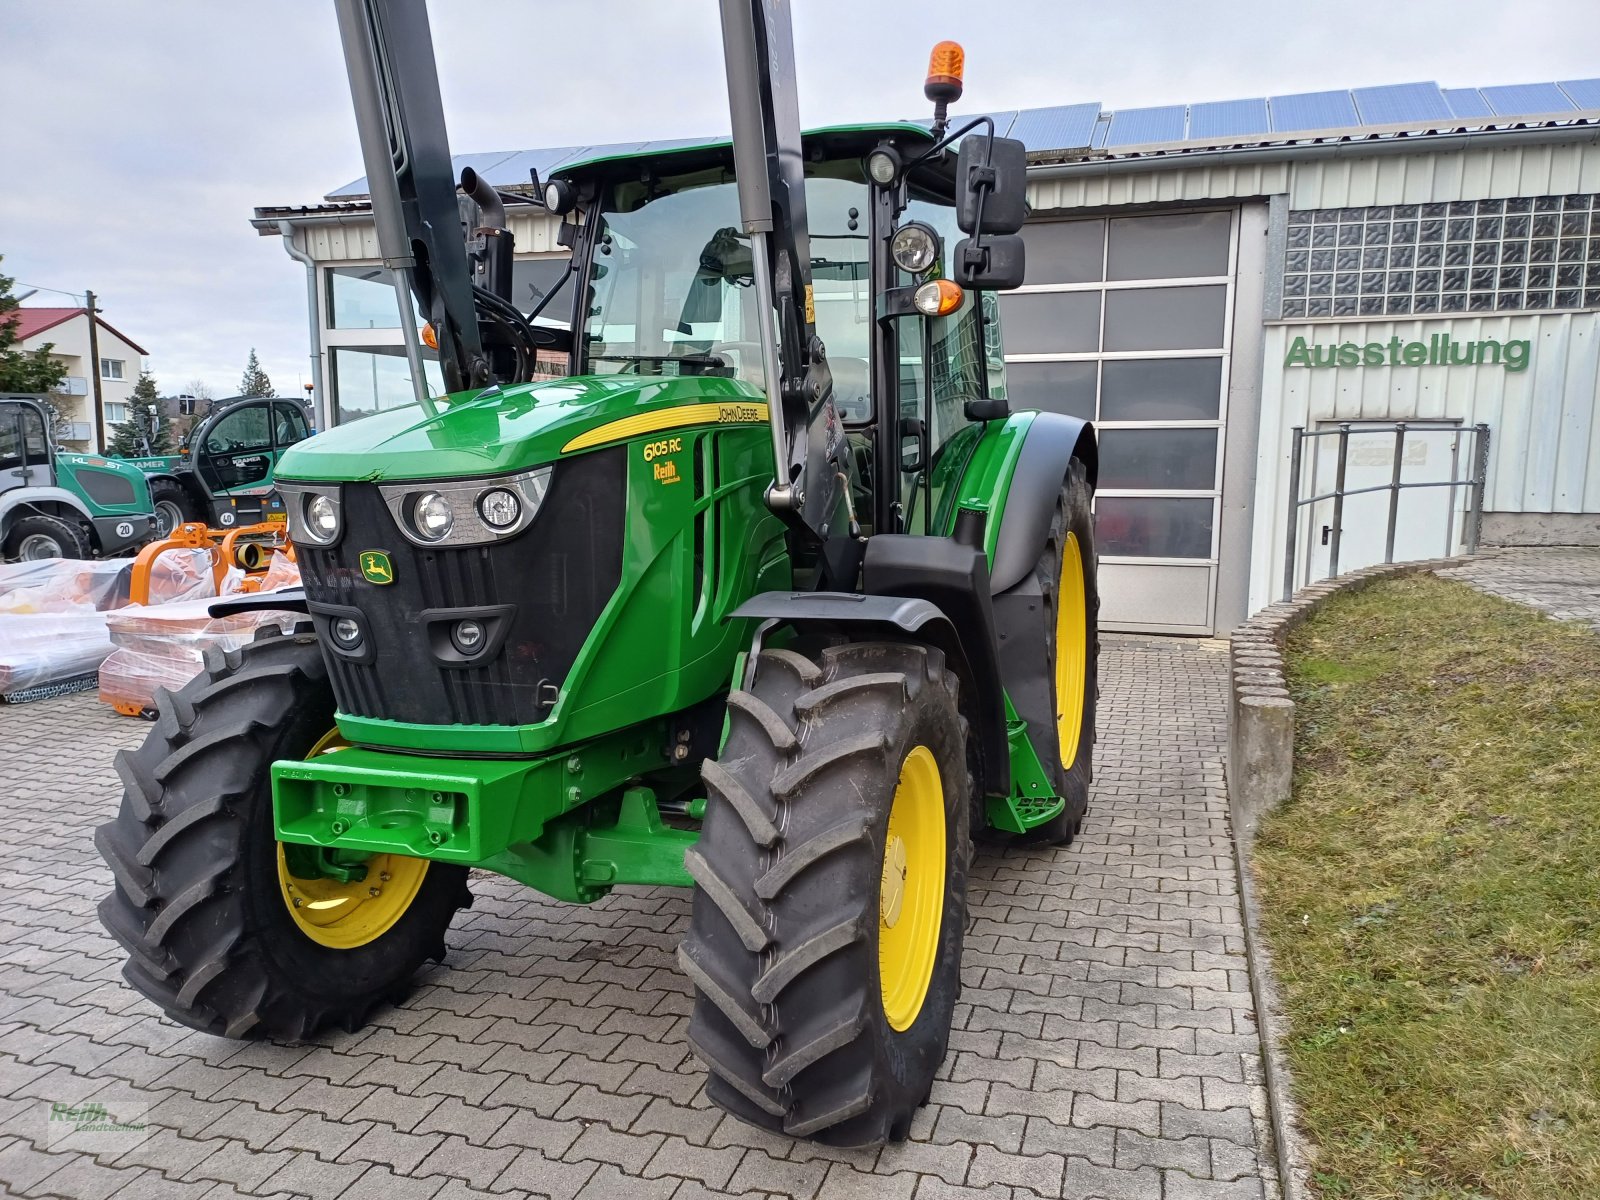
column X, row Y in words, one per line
column 1431, row 896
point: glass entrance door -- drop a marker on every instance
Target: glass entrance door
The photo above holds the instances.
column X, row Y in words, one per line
column 1127, row 321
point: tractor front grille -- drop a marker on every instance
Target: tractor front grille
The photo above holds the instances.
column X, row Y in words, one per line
column 556, row 576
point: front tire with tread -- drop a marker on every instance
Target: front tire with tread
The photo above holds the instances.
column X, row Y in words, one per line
column 198, row 904
column 783, row 948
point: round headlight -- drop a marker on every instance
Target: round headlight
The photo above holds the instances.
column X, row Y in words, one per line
column 558, row 196
column 346, row 632
column 322, row 518
column 433, row 516
column 913, row 248
column 468, row 636
column 883, row 166
column 500, row 508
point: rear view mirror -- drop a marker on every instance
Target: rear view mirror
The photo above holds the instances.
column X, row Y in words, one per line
column 995, row 169
column 994, row 264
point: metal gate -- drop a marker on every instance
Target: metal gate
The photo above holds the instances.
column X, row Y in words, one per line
column 1467, row 471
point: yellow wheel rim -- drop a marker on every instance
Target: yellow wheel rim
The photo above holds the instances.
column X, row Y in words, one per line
column 346, row 915
column 1072, row 650
column 911, row 891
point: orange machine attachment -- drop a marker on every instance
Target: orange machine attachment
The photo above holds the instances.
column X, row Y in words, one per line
column 249, row 547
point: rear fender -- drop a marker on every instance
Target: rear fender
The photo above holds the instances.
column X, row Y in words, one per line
column 1048, row 448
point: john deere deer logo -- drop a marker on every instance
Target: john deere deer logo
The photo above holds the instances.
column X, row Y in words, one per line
column 375, row 567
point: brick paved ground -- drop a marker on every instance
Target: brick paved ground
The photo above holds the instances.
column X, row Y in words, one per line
column 1105, row 1045
column 1563, row 581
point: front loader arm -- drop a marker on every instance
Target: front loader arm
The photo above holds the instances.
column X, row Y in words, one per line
column 809, row 450
column 394, row 83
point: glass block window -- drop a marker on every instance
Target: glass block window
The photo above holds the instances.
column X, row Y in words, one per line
column 1461, row 256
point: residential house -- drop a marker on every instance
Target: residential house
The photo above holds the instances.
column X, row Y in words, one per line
column 66, row 332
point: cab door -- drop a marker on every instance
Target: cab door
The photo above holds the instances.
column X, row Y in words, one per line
column 24, row 450
column 288, row 427
column 238, row 450
column 13, row 469
column 943, row 364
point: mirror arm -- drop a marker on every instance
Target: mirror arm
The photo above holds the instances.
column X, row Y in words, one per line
column 948, row 138
column 538, row 308
column 897, row 302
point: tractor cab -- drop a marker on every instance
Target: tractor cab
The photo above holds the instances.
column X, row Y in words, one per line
column 58, row 504
column 667, row 279
column 222, row 475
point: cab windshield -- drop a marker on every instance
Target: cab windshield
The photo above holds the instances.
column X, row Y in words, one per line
column 673, row 286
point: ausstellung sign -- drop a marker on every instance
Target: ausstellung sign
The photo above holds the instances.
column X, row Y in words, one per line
column 1440, row 350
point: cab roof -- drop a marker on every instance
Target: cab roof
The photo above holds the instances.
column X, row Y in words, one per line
column 834, row 141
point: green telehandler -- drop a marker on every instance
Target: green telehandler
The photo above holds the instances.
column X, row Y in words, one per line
column 772, row 597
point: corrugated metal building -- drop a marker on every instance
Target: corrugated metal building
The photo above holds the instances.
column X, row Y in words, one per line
column 1204, row 278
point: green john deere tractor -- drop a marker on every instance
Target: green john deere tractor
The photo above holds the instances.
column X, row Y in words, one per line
column 772, row 598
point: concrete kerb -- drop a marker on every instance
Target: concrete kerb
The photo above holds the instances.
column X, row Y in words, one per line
column 1260, row 774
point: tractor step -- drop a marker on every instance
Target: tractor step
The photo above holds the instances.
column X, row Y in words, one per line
column 1033, row 800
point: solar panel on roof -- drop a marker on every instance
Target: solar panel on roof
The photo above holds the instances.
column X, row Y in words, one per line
column 1080, row 126
column 1228, row 118
column 1312, row 110
column 1467, row 102
column 515, row 170
column 1526, row 99
column 1397, row 102
column 1142, row 126
column 1066, row 127
column 1002, row 121
column 1585, row 93
column 1102, row 129
column 483, row 163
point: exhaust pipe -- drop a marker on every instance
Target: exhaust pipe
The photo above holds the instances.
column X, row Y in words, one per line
column 491, row 244
column 486, row 198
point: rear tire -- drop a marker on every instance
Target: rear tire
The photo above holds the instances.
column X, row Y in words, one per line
column 198, row 902
column 173, row 506
column 1071, row 532
column 825, row 945
column 39, row 536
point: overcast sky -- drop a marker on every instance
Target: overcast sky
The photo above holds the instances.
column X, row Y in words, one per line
column 139, row 134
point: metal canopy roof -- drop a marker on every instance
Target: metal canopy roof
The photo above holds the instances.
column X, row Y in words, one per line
column 1084, row 130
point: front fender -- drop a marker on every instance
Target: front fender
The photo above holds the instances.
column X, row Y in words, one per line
column 907, row 618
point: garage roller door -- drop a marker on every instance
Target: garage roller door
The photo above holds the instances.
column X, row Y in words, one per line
column 1128, row 321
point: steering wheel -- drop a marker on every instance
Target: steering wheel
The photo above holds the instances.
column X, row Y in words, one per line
column 748, row 366
column 852, row 388
column 546, row 337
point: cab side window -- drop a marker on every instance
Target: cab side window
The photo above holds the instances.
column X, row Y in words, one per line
column 240, row 431
column 35, row 446
column 10, row 436
column 288, row 425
